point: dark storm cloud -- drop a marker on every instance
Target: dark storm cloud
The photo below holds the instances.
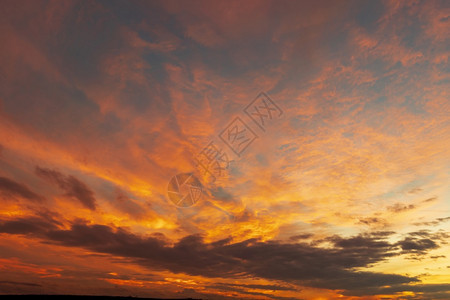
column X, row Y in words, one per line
column 417, row 245
column 12, row 189
column 19, row 283
column 70, row 185
column 420, row 242
column 37, row 225
column 298, row 262
column 373, row 240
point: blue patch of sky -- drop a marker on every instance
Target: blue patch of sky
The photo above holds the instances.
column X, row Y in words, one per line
column 368, row 14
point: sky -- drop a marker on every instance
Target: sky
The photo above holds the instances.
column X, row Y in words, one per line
column 225, row 149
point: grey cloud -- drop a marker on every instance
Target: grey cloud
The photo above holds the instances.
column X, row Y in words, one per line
column 10, row 188
column 398, row 207
column 19, row 283
column 432, row 223
column 430, row 291
column 127, row 205
column 430, row 199
column 294, row 263
column 36, row 225
column 420, row 242
column 70, row 185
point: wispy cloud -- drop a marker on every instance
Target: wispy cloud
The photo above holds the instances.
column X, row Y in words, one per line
column 345, row 196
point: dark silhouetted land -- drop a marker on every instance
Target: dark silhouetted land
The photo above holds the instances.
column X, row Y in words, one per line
column 80, row 297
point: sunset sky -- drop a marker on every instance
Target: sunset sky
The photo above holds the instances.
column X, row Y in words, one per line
column 343, row 193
